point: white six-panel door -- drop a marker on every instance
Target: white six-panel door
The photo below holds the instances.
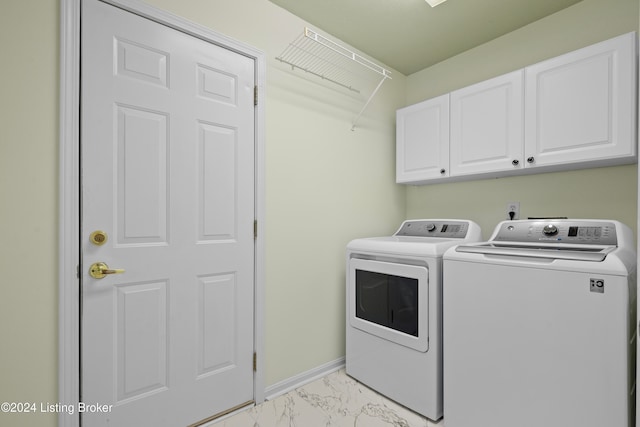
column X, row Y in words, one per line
column 167, row 137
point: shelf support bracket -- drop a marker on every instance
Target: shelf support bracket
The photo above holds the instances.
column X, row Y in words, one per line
column 375, row 91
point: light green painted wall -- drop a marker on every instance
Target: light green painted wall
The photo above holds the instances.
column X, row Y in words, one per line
column 28, row 206
column 591, row 193
column 325, row 185
column 578, row 194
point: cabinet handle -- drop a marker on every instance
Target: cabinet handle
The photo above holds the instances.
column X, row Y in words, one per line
column 442, row 171
column 516, row 162
column 531, row 159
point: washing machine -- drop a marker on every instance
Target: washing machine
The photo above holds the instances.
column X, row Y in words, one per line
column 394, row 310
column 539, row 326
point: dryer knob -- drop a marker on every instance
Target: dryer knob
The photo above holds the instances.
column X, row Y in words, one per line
column 431, row 227
column 550, row 230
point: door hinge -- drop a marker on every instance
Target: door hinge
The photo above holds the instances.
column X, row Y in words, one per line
column 255, row 362
column 255, row 95
column 255, row 229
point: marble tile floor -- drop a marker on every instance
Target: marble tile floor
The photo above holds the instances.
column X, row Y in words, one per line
column 335, row 400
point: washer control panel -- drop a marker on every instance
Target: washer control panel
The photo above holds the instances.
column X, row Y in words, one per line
column 433, row 228
column 558, row 231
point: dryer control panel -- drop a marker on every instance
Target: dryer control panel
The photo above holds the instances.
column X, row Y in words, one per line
column 582, row 232
column 449, row 229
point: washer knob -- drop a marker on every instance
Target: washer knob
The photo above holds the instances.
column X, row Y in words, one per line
column 431, row 227
column 550, row 230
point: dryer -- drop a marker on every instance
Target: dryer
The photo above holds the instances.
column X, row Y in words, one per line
column 394, row 310
column 539, row 326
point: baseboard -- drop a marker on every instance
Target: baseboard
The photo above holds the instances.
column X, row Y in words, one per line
column 299, row 380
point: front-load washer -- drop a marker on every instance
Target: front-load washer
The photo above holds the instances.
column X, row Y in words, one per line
column 394, row 310
column 539, row 326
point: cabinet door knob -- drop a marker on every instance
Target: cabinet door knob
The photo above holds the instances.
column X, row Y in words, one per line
column 443, row 171
column 531, row 159
column 516, row 162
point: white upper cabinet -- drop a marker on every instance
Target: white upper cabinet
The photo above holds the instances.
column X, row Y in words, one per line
column 423, row 130
column 581, row 106
column 573, row 111
column 487, row 126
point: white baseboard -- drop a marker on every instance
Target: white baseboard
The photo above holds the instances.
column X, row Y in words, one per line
column 299, row 380
column 289, row 384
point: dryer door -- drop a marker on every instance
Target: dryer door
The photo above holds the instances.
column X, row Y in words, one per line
column 390, row 300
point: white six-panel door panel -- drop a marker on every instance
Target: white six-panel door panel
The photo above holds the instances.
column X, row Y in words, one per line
column 167, row 140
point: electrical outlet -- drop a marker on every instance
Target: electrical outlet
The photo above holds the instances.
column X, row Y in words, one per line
column 513, row 210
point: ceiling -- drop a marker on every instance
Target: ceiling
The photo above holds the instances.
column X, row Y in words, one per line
column 409, row 35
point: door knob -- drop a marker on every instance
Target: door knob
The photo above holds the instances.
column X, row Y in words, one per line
column 99, row 269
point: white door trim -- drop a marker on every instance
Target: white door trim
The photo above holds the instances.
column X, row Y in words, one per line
column 69, row 197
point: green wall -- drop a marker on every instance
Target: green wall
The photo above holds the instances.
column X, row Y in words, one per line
column 28, row 207
column 591, row 193
column 325, row 185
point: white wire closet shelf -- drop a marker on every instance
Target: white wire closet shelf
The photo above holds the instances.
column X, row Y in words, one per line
column 321, row 57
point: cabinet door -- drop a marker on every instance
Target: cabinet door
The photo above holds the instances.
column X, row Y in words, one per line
column 580, row 106
column 422, row 141
column 486, row 126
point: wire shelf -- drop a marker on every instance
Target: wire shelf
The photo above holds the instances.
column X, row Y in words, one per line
column 321, row 57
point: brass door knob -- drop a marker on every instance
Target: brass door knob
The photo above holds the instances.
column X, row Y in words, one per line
column 99, row 269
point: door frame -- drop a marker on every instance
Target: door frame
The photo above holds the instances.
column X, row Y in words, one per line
column 69, row 316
